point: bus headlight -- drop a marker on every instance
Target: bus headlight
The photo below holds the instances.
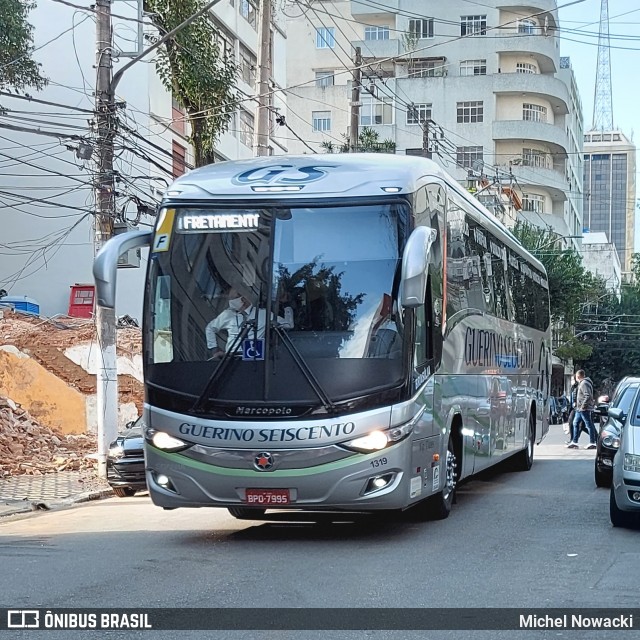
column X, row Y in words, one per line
column 373, row 441
column 164, row 441
column 377, row 440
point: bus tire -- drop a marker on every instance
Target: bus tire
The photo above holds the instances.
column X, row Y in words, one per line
column 246, row 513
column 438, row 507
column 523, row 460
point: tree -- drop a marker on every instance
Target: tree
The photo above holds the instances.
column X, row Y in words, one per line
column 197, row 70
column 18, row 70
column 614, row 335
column 368, row 142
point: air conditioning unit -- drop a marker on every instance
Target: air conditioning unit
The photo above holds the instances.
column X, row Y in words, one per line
column 131, row 258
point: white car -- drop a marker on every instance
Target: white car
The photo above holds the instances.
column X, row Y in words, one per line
column 624, row 502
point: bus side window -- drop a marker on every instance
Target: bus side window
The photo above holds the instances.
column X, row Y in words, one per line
column 423, row 350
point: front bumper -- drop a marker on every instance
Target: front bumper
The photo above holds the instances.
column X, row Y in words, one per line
column 127, row 472
column 339, row 485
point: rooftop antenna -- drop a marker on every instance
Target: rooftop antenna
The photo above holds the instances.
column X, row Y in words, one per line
column 602, row 100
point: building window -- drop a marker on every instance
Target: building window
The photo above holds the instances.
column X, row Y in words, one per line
column 418, row 113
column 466, row 156
column 375, row 111
column 321, row 120
column 421, row 28
column 179, row 154
column 470, row 111
column 376, row 33
column 536, row 158
column 248, row 11
column 534, row 112
column 473, row 25
column 473, row 68
column 324, row 79
column 246, row 128
column 178, row 116
column 533, row 202
column 528, row 27
column 248, row 65
column 426, row 68
column 325, row 38
column 526, row 67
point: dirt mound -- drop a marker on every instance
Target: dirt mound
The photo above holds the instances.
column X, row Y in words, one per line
column 27, row 447
column 46, row 340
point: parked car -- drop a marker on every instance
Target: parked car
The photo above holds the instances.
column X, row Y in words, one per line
column 611, row 428
column 125, row 461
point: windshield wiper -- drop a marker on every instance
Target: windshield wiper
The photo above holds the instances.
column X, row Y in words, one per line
column 245, row 327
column 304, row 368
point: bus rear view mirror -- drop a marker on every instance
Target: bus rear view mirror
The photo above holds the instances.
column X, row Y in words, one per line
column 105, row 266
column 415, row 263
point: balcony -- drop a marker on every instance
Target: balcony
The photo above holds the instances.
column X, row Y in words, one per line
column 545, row 86
column 530, row 7
column 543, row 48
column 550, row 179
column 378, row 49
column 527, row 130
column 379, row 7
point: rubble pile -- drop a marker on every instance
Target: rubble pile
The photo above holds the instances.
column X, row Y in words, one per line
column 29, row 448
column 46, row 339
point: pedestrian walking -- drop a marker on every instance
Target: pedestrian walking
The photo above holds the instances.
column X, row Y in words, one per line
column 584, row 407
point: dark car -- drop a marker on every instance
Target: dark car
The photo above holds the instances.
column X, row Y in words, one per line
column 610, row 429
column 555, row 413
column 125, row 461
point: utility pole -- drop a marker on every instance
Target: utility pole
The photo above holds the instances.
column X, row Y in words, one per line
column 425, row 138
column 355, row 102
column 106, row 122
column 107, row 375
column 264, row 64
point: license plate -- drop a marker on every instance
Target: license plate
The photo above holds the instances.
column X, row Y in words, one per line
column 267, row 497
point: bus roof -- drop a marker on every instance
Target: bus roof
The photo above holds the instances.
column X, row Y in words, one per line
column 358, row 174
column 322, row 176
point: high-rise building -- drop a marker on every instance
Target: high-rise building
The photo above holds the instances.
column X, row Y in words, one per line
column 610, row 189
column 479, row 87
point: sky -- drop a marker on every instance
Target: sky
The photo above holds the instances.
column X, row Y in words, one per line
column 579, row 40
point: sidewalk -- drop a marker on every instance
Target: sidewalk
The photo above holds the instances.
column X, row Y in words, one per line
column 554, row 446
column 25, row 493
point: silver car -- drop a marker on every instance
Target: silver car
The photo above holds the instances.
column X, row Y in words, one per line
column 624, row 502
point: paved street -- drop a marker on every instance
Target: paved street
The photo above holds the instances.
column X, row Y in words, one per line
column 536, row 539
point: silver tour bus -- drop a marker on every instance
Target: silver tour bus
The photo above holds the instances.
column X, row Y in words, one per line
column 341, row 333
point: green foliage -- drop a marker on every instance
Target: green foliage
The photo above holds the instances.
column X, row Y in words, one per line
column 614, row 334
column 199, row 74
column 18, row 70
column 368, row 142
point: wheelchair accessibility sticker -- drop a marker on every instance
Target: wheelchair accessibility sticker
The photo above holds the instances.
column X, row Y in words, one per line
column 253, row 350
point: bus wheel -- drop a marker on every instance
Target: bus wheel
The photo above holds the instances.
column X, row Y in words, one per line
column 523, row 461
column 246, row 513
column 438, row 507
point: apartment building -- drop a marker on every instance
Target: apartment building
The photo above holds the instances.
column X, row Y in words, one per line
column 610, row 189
column 480, row 87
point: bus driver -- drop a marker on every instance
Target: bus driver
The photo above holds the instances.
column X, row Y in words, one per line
column 231, row 319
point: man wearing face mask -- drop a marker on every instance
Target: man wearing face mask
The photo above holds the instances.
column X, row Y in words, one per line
column 231, row 319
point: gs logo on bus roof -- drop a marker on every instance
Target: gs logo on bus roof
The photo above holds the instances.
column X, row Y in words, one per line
column 282, row 174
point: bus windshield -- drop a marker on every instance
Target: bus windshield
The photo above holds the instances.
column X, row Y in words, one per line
column 233, row 280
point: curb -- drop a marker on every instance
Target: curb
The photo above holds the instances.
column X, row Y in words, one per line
column 34, row 506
